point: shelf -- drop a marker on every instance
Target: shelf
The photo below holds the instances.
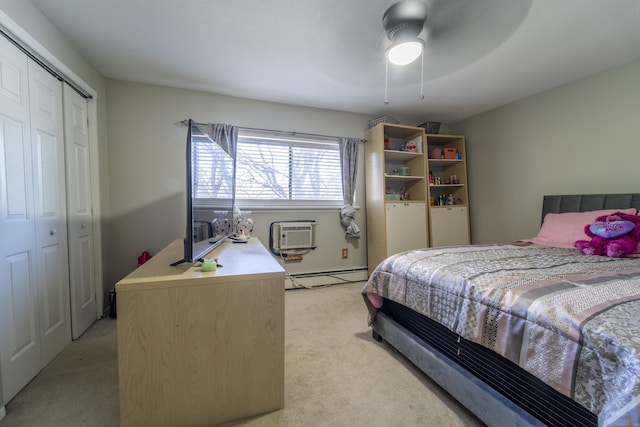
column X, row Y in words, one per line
column 444, row 161
column 384, row 223
column 458, row 205
column 403, row 177
column 442, row 139
column 408, row 201
column 400, row 155
column 393, row 130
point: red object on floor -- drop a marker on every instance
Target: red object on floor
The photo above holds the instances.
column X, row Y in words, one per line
column 144, row 257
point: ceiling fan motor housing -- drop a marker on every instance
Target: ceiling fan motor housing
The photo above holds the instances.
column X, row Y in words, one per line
column 404, row 19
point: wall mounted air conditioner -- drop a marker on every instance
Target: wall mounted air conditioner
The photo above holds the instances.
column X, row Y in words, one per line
column 293, row 235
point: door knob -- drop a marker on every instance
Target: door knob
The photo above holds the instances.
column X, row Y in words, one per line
column 84, row 225
column 52, row 232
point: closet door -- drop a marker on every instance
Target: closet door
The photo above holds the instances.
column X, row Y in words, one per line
column 80, row 214
column 47, row 142
column 35, row 322
column 19, row 334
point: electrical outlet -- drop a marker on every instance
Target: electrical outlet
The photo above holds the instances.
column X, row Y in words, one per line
column 345, row 253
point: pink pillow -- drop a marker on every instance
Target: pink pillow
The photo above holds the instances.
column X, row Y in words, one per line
column 563, row 229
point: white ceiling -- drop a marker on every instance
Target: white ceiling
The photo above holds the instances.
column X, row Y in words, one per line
column 330, row 53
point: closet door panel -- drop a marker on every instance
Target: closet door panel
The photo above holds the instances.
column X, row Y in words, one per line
column 416, row 226
column 395, row 220
column 15, row 164
column 54, row 296
column 19, row 342
column 80, row 213
column 22, row 310
column 12, row 76
column 50, row 210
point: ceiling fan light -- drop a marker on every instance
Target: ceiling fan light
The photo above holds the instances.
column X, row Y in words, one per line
column 405, row 52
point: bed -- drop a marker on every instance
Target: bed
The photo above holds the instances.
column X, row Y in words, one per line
column 522, row 334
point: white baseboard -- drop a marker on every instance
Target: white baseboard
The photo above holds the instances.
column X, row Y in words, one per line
column 3, row 413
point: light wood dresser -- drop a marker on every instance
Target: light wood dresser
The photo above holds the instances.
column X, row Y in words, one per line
column 201, row 348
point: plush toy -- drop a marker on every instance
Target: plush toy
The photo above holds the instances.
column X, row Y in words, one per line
column 411, row 146
column 615, row 236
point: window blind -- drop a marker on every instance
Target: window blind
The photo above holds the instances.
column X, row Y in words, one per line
column 282, row 169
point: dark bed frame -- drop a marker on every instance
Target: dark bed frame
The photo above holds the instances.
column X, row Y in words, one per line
column 494, row 389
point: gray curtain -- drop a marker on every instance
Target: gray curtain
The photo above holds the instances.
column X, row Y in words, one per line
column 225, row 135
column 349, row 160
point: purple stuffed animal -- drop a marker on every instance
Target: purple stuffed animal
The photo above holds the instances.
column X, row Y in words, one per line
column 615, row 236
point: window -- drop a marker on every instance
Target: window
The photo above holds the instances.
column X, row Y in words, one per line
column 277, row 169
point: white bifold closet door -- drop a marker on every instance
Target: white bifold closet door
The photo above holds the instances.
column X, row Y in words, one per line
column 80, row 215
column 35, row 322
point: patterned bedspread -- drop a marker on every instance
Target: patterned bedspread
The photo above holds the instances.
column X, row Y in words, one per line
column 570, row 319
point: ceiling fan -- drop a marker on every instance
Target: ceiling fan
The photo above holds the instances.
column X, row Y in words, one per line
column 403, row 22
column 457, row 33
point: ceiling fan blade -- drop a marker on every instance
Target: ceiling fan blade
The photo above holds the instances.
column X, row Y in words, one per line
column 460, row 32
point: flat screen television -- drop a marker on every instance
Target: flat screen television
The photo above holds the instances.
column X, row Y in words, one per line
column 210, row 194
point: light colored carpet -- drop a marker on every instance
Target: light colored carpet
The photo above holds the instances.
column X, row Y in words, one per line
column 335, row 375
column 78, row 388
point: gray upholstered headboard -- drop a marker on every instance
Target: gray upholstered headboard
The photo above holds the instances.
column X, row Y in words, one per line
column 589, row 202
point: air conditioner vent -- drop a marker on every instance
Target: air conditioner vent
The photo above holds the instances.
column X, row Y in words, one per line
column 293, row 235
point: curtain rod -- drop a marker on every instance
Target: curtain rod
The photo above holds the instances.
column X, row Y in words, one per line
column 41, row 62
column 185, row 122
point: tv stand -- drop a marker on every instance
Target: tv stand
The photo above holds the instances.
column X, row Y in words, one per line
column 198, row 348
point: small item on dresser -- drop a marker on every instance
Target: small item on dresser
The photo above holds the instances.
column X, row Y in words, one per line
column 144, row 257
column 209, row 264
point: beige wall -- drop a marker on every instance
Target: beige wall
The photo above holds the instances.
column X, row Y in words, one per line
column 583, row 137
column 147, row 170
